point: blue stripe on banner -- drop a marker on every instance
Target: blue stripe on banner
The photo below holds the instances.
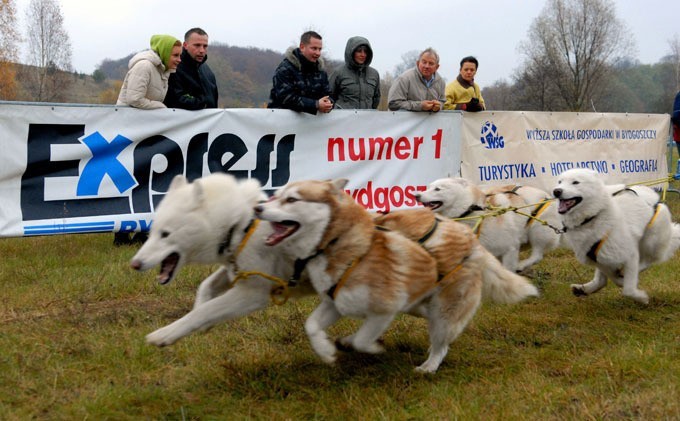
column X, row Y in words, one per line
column 82, row 227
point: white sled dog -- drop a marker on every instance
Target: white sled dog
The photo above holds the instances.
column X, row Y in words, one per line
column 619, row 230
column 211, row 221
column 502, row 235
column 362, row 271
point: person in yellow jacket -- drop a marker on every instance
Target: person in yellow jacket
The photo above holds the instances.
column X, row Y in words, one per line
column 463, row 93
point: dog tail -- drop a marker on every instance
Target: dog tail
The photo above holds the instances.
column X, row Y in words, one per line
column 501, row 285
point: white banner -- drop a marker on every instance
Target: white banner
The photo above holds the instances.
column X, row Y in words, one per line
column 73, row 168
column 533, row 148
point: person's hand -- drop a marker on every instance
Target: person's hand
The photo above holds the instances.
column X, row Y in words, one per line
column 431, row 105
column 474, row 105
column 325, row 105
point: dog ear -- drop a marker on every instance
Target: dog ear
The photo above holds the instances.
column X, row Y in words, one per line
column 178, row 181
column 253, row 188
column 339, row 183
column 198, row 191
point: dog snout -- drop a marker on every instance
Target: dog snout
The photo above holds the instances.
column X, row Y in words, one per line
column 258, row 209
column 557, row 192
column 136, row 264
column 418, row 196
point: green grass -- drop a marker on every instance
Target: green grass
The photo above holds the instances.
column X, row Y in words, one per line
column 74, row 316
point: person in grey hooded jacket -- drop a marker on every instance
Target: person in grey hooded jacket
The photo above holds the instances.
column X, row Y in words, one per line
column 356, row 85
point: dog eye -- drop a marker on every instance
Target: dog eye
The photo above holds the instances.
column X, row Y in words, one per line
column 575, row 182
column 437, row 189
column 164, row 234
column 291, row 200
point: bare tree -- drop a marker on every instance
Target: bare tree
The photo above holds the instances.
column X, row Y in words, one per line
column 408, row 60
column 385, row 84
column 49, row 51
column 535, row 88
column 501, row 96
column 8, row 49
column 675, row 57
column 575, row 42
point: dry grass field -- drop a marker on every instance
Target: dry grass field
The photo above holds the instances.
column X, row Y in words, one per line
column 74, row 316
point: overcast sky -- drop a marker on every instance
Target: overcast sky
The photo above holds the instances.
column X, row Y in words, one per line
column 491, row 30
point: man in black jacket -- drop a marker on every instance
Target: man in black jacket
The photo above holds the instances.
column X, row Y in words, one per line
column 193, row 85
column 300, row 82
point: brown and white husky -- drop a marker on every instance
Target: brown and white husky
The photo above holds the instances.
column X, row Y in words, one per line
column 362, row 271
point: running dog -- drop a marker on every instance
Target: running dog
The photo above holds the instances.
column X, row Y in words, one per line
column 360, row 270
column 619, row 230
column 502, row 234
column 211, row 221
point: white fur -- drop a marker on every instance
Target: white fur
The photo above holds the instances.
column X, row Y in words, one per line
column 629, row 245
column 502, row 235
column 193, row 220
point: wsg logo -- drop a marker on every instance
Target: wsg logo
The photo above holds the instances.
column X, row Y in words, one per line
column 148, row 186
column 490, row 137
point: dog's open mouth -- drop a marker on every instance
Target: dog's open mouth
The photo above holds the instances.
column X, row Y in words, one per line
column 566, row 204
column 168, row 266
column 282, row 230
column 432, row 205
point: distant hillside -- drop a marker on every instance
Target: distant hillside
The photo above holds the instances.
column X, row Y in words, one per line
column 244, row 78
column 243, row 74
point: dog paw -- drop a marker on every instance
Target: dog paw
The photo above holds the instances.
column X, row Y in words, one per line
column 577, row 290
column 344, row 344
column 425, row 368
column 325, row 349
column 328, row 358
column 161, row 337
column 638, row 295
column 372, row 348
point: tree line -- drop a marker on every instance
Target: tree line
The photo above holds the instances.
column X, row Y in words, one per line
column 576, row 58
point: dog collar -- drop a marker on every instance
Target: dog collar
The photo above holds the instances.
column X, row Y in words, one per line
column 623, row 190
column 429, row 233
column 471, row 209
column 301, row 263
column 226, row 242
column 585, row 221
column 514, row 190
column 299, row 266
column 249, row 230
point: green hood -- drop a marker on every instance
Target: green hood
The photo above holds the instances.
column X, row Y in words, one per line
column 162, row 45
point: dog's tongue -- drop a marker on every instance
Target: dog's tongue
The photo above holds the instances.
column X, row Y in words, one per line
column 281, row 231
column 432, row 205
column 167, row 269
column 565, row 205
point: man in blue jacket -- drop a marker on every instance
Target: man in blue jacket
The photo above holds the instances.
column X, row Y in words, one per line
column 300, row 82
column 193, row 85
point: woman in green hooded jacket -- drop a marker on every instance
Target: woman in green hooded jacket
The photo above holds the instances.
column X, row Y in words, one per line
column 146, row 81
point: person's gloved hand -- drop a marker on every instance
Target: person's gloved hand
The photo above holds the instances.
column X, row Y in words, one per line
column 474, row 105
